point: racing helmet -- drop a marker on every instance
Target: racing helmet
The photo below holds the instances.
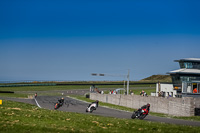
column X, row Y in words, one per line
column 148, row 105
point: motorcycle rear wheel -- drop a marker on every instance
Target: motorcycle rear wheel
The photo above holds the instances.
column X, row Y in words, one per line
column 133, row 115
column 56, row 107
column 91, row 109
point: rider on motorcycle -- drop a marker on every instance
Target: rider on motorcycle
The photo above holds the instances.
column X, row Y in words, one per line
column 97, row 103
column 61, row 101
column 144, row 107
column 92, row 106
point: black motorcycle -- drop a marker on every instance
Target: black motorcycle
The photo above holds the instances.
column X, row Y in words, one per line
column 58, row 105
column 140, row 114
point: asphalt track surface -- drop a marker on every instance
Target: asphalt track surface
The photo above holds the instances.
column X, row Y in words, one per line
column 73, row 105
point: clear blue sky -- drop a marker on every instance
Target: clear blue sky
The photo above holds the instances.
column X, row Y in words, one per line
column 69, row 40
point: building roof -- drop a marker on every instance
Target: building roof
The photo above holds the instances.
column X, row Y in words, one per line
column 189, row 59
column 185, row 71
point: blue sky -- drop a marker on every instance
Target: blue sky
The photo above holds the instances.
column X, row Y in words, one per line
column 69, row 40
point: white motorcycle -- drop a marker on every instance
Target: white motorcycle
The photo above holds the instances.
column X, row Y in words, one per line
column 91, row 107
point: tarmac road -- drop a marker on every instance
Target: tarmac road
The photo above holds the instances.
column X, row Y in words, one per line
column 72, row 105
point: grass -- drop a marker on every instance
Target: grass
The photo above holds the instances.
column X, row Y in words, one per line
column 28, row 118
column 19, row 95
column 191, row 118
column 30, row 90
column 44, row 88
column 66, row 87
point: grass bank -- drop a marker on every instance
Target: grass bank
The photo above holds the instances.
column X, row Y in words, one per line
column 69, row 87
column 13, row 95
column 44, row 88
column 28, row 118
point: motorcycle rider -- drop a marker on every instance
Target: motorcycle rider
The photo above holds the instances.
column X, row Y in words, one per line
column 97, row 103
column 61, row 101
column 147, row 107
column 93, row 105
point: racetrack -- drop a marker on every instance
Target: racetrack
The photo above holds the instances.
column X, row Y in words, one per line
column 73, row 105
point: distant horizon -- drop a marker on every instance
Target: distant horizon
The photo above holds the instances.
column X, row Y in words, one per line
column 18, row 81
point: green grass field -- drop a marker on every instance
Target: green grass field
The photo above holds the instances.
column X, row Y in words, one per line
column 24, row 91
column 13, row 95
column 23, row 118
column 67, row 87
column 44, row 88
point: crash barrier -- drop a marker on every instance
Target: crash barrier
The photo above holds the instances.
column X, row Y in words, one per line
column 6, row 91
column 197, row 111
column 80, row 92
column 172, row 106
column 87, row 95
column 197, row 106
column 19, row 85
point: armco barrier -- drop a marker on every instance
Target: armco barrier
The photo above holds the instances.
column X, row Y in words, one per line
column 20, row 85
column 173, row 106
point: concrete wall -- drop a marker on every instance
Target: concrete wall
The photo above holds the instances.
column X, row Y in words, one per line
column 197, row 102
column 172, row 106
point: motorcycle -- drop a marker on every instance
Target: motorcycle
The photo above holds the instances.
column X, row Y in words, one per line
column 91, row 107
column 140, row 114
column 58, row 105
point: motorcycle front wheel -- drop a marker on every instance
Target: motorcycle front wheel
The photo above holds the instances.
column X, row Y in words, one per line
column 133, row 115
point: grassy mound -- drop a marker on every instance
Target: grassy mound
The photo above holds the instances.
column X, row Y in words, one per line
column 156, row 78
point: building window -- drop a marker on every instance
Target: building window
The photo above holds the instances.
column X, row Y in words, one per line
column 176, row 80
column 182, row 65
column 188, row 87
column 190, row 65
column 196, row 65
